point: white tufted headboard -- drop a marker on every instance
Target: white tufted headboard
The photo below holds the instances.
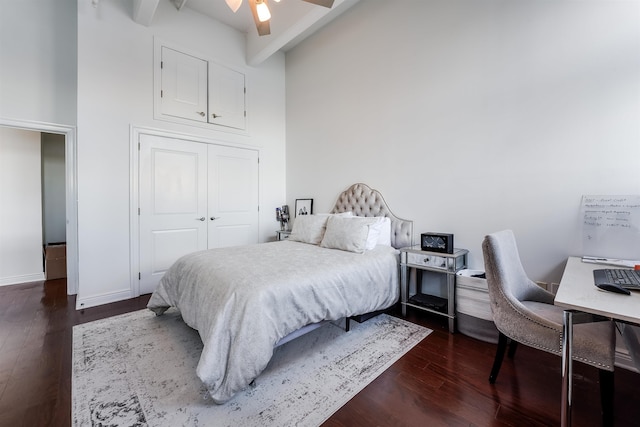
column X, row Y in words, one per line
column 365, row 201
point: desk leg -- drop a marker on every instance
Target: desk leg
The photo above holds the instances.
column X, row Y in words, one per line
column 567, row 368
column 404, row 288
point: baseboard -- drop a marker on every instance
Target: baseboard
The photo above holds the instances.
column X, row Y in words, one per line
column 16, row 280
column 82, row 303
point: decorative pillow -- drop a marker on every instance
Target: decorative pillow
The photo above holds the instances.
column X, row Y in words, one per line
column 347, row 234
column 308, row 229
column 379, row 233
column 347, row 214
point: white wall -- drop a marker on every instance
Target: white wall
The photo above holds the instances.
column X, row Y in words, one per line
column 20, row 207
column 38, row 81
column 471, row 116
column 38, row 60
column 54, row 219
column 115, row 91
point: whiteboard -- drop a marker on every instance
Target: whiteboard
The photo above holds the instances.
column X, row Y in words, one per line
column 611, row 226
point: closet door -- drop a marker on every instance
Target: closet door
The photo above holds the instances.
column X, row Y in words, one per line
column 172, row 202
column 233, row 196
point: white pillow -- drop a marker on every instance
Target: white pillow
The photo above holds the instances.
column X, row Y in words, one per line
column 309, row 229
column 374, row 234
column 347, row 234
column 347, row 214
column 379, row 233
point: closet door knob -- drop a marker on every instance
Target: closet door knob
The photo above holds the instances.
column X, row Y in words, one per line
column 215, row 116
column 201, row 219
column 201, row 113
column 213, row 218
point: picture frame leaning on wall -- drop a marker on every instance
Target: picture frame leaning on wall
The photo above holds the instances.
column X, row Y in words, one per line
column 304, row 207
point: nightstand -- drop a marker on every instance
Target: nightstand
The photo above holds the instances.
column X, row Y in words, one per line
column 283, row 235
column 445, row 265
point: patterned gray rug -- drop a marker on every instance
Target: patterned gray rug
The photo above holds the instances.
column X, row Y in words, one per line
column 139, row 370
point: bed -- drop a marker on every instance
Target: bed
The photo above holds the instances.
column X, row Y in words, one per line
column 246, row 300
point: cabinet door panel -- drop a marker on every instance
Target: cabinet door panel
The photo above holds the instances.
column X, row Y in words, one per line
column 226, row 97
column 184, row 85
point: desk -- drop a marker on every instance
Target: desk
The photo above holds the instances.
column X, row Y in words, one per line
column 577, row 293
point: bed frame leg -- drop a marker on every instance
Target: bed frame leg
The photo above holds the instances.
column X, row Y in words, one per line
column 346, row 324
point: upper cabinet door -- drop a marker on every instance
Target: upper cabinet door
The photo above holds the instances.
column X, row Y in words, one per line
column 226, row 97
column 184, row 85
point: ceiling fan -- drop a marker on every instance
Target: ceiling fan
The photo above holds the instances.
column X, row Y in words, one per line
column 262, row 15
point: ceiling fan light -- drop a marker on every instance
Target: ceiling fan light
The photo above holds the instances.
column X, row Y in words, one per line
column 263, row 11
column 234, row 4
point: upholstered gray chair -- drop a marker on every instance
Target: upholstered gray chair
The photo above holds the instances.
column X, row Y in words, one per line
column 524, row 313
column 630, row 339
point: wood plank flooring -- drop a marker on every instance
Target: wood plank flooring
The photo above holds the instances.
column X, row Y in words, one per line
column 443, row 381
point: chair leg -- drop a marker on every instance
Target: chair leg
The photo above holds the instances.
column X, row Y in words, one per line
column 497, row 362
column 513, row 346
column 606, row 396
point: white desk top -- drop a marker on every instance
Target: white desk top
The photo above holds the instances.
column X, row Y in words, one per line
column 577, row 291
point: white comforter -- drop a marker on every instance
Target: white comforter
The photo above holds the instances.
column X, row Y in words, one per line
column 242, row 300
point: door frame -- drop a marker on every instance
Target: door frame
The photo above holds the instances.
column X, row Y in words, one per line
column 134, row 194
column 71, row 188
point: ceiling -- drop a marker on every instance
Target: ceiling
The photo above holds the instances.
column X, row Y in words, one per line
column 291, row 21
column 242, row 20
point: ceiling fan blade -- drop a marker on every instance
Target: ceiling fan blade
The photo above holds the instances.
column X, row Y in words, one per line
column 264, row 29
column 325, row 3
column 234, row 4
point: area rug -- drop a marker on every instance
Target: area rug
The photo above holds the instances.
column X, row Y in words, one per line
column 139, row 370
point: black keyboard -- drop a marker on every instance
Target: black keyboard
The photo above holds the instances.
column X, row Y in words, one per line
column 629, row 279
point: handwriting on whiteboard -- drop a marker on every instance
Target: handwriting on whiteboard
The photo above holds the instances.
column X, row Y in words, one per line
column 611, row 226
column 610, row 211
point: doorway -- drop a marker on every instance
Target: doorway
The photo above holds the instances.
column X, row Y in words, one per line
column 70, row 189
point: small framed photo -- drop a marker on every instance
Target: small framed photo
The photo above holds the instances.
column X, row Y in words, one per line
column 304, row 206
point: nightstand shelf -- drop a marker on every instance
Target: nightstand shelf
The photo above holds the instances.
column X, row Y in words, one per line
column 283, row 234
column 435, row 262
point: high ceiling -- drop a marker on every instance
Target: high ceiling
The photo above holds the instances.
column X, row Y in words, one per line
column 283, row 13
column 291, row 21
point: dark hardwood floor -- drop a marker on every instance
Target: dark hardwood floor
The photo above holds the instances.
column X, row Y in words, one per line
column 441, row 381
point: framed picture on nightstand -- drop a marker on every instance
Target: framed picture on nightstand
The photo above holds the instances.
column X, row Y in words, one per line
column 304, row 206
